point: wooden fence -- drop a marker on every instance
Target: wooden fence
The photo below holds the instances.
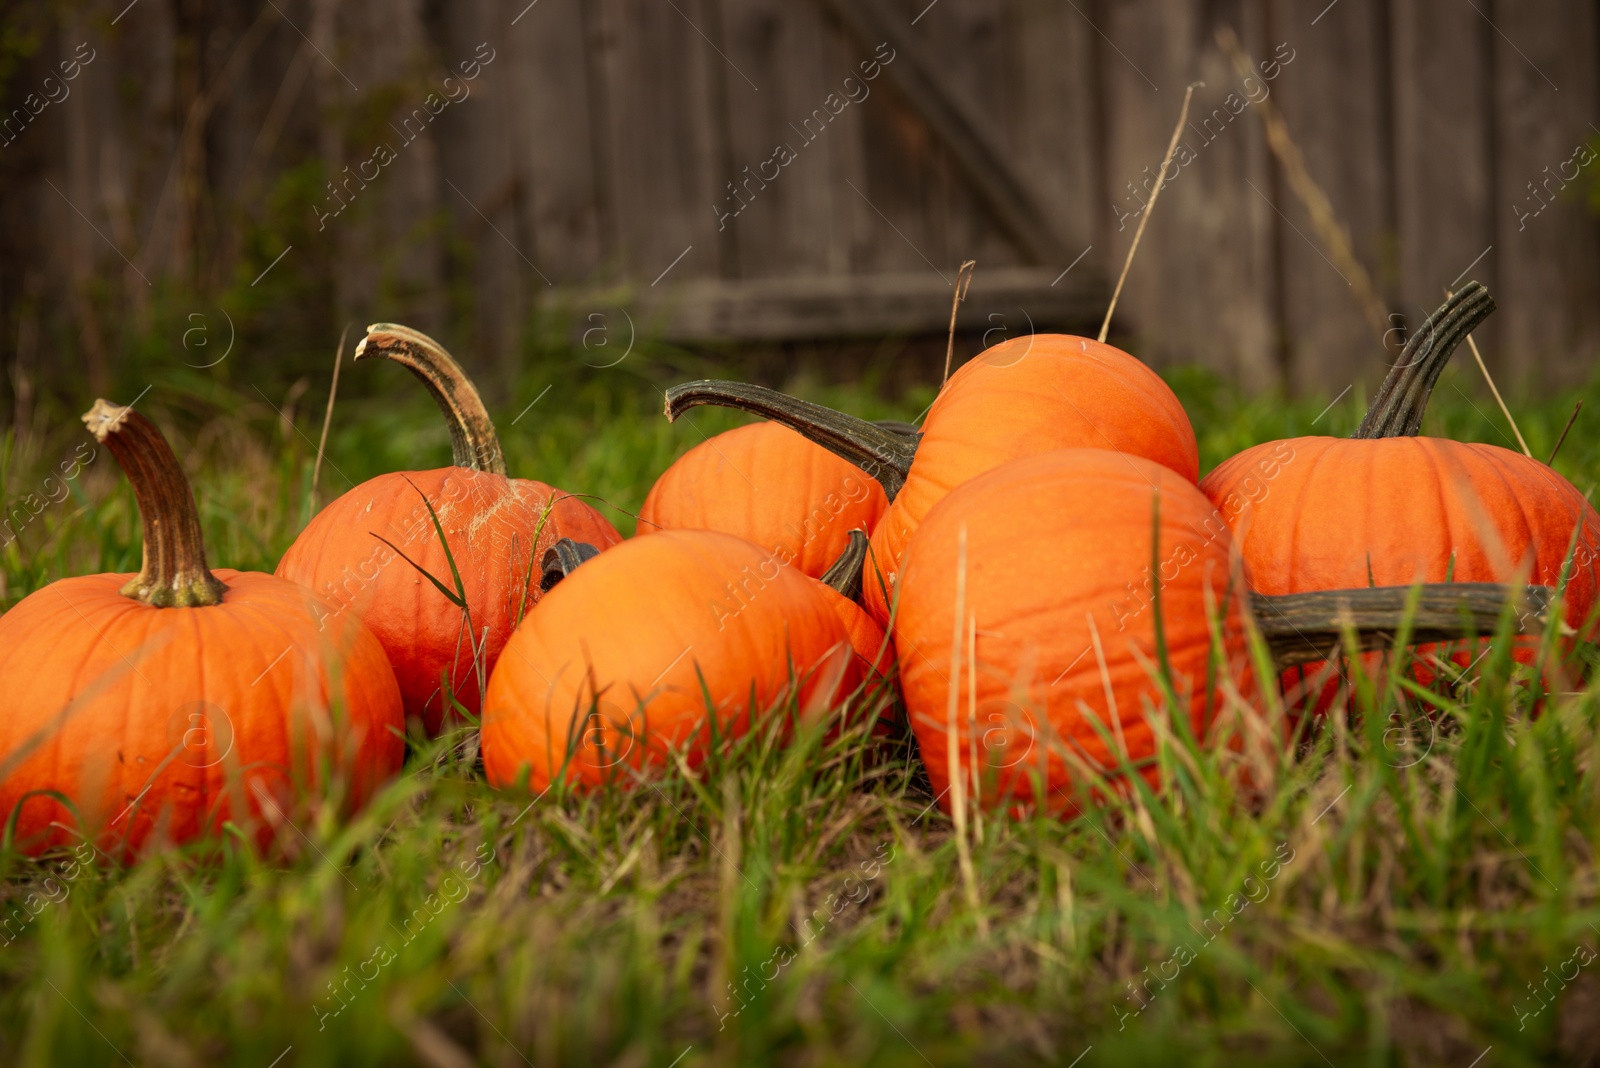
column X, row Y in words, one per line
column 819, row 168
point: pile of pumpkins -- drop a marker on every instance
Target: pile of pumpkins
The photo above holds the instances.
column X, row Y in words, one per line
column 1037, row 578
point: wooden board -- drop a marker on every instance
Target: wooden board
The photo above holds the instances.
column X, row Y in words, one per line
column 1444, row 171
column 1336, row 101
column 654, row 67
column 792, row 223
column 1010, row 301
column 1548, row 269
column 596, row 149
column 1202, row 287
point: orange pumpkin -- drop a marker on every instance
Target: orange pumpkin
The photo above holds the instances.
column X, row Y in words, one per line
column 1024, row 396
column 615, row 666
column 170, row 702
column 1028, row 622
column 770, row 486
column 1389, row 508
column 366, row 552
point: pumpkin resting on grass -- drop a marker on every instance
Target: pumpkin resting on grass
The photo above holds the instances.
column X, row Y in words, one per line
column 617, row 662
column 176, row 699
column 1388, row 508
column 1024, row 396
column 770, row 486
column 497, row 529
column 1038, row 600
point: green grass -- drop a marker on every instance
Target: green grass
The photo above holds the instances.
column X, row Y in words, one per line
column 1411, row 878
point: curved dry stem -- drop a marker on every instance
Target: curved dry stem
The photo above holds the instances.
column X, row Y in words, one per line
column 883, row 453
column 1397, row 409
column 174, row 572
column 844, row 574
column 473, row 442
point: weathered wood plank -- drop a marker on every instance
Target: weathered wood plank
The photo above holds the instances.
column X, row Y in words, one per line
column 1443, row 161
column 1202, row 288
column 1044, row 112
column 1547, row 239
column 923, row 76
column 833, row 305
column 481, row 180
column 1335, row 100
column 774, row 198
column 659, row 148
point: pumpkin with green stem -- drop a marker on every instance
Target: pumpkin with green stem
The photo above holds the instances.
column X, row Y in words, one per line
column 1064, row 614
column 169, row 704
column 1024, row 396
column 440, row 564
column 663, row 645
column 1388, row 507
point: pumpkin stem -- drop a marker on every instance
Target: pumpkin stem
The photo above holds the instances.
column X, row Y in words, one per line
column 881, row 452
column 1397, row 409
column 473, row 443
column 1305, row 627
column 174, row 572
column 845, row 573
column 562, row 559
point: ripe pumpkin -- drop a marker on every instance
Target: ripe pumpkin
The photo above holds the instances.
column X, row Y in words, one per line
column 1388, row 507
column 615, row 665
column 366, row 551
column 1024, row 396
column 770, row 486
column 1038, row 599
column 1017, row 573
column 178, row 699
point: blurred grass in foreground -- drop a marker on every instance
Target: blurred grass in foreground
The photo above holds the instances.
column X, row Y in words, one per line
column 1430, row 876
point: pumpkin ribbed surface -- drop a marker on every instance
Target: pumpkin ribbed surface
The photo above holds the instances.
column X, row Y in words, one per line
column 497, row 532
column 1026, row 396
column 183, row 718
column 616, row 664
column 1059, row 551
column 769, row 485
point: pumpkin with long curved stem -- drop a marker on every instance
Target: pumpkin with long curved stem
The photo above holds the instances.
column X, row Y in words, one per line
column 439, row 564
column 663, row 644
column 169, row 703
column 1061, row 613
column 770, row 486
column 1024, row 396
column 1388, row 507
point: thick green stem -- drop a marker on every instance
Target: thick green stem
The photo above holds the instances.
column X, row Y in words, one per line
column 1305, row 627
column 473, row 442
column 885, row 454
column 1397, row 409
column 562, row 559
column 845, row 573
column 174, row 573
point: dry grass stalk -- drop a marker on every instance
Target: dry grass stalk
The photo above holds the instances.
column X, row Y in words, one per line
column 327, row 416
column 957, row 787
column 963, row 283
column 1573, row 418
column 1487, row 377
column 1323, row 219
column 1161, row 180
